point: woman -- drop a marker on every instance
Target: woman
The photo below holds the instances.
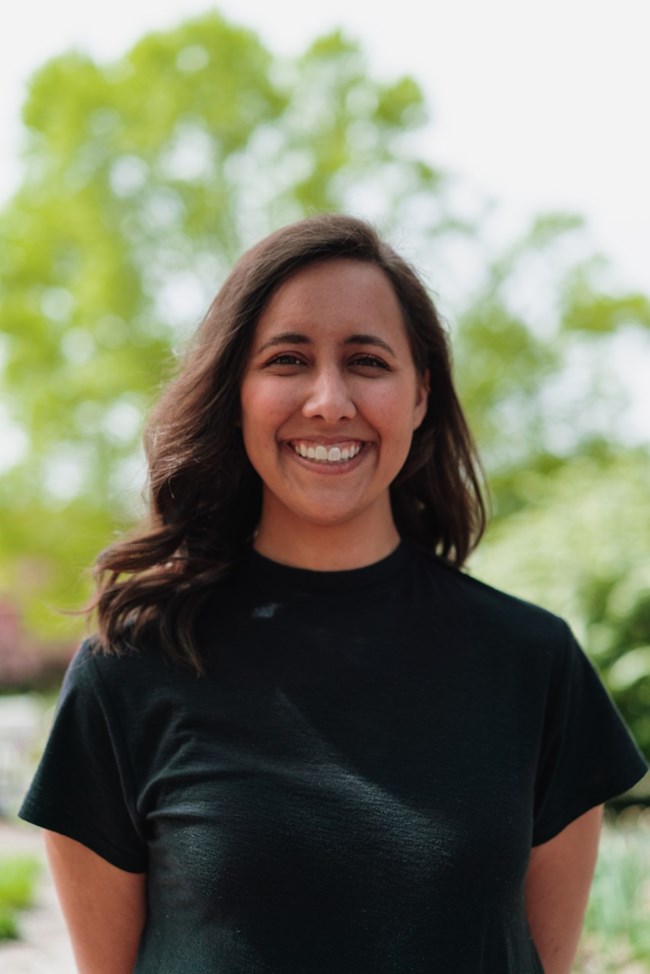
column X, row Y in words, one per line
column 304, row 741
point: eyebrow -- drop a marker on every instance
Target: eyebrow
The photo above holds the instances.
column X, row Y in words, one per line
column 295, row 338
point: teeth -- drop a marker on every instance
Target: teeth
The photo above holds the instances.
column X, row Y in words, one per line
column 335, row 454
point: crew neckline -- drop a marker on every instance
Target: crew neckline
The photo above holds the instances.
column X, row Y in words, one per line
column 265, row 571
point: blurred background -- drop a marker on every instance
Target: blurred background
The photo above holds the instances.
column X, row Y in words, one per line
column 500, row 147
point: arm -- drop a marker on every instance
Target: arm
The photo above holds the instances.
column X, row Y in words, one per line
column 104, row 906
column 557, row 889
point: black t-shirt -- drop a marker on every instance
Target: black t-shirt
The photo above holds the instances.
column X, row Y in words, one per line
column 353, row 787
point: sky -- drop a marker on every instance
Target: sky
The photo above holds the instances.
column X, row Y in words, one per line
column 537, row 106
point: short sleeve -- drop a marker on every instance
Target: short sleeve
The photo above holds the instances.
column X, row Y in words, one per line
column 588, row 755
column 83, row 786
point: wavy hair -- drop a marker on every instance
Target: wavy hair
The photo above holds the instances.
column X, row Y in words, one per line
column 204, row 495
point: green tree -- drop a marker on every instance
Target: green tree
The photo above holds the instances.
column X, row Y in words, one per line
column 534, row 343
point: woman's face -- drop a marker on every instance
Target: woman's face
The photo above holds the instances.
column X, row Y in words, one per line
column 330, row 398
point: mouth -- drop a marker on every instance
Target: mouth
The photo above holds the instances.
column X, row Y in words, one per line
column 328, row 455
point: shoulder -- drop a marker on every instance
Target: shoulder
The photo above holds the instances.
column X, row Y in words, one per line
column 500, row 617
column 130, row 664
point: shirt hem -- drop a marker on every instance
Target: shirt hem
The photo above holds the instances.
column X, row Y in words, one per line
column 597, row 795
column 63, row 823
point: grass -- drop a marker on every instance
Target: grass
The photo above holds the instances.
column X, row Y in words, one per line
column 616, row 938
column 18, row 876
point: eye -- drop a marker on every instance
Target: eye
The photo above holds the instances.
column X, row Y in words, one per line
column 286, row 358
column 370, row 362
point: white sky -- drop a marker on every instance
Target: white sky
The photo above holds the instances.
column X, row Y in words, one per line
column 539, row 105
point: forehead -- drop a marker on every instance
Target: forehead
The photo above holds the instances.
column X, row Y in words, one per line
column 338, row 293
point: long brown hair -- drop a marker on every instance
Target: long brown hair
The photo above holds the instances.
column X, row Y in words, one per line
column 205, row 497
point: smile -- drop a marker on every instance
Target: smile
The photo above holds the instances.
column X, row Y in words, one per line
column 337, row 453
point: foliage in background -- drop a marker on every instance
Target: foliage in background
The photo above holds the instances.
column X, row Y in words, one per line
column 18, row 877
column 146, row 177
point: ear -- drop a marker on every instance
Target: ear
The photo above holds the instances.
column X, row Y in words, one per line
column 422, row 398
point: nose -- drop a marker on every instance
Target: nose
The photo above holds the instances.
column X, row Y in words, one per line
column 329, row 397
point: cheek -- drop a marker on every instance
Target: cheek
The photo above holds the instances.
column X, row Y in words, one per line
column 264, row 408
column 398, row 412
column 255, row 402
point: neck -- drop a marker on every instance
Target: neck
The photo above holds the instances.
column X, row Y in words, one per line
column 326, row 547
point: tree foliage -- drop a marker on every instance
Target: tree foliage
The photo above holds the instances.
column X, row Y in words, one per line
column 146, row 177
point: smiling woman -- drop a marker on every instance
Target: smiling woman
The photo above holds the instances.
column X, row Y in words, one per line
column 303, row 739
column 328, row 414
